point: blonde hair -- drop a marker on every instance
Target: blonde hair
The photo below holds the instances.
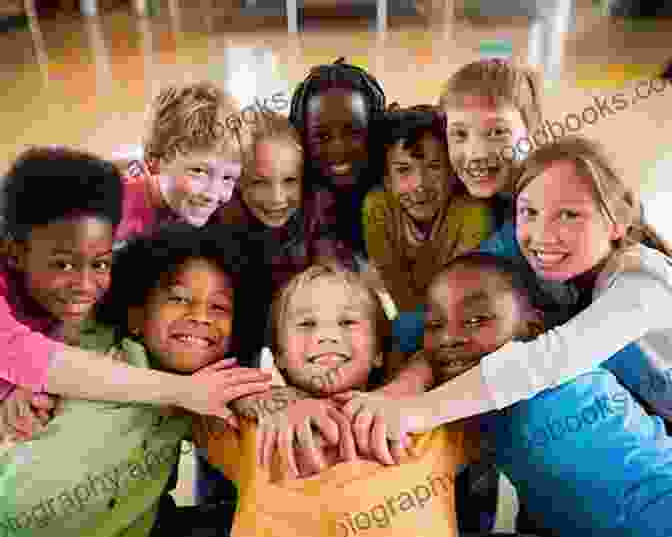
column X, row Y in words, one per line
column 191, row 118
column 616, row 201
column 269, row 125
column 501, row 81
column 329, row 269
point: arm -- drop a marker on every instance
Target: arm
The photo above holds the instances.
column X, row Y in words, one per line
column 635, row 304
column 415, row 378
column 383, row 253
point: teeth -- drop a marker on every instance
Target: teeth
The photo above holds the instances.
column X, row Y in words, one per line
column 192, row 340
column 330, row 359
column 549, row 258
column 341, row 168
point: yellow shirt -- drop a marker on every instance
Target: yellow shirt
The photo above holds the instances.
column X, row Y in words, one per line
column 414, row 498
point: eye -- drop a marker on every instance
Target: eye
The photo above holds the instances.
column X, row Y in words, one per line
column 102, row 266
column 568, row 215
column 526, row 212
column 65, row 266
column 436, row 166
column 433, row 325
column 178, row 299
column 308, row 323
column 291, row 180
column 349, row 322
column 457, row 135
column 477, row 320
column 403, row 170
column 321, row 137
column 499, row 132
column 197, row 170
column 223, row 308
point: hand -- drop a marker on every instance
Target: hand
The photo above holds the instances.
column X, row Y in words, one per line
column 294, row 425
column 211, row 389
column 46, row 406
column 380, row 424
column 18, row 421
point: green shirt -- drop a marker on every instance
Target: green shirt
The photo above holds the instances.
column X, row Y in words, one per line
column 98, row 470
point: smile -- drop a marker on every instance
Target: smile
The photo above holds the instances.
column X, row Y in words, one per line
column 329, row 359
column 548, row 258
column 341, row 169
column 194, row 341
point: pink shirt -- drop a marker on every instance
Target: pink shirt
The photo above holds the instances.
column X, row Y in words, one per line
column 26, row 351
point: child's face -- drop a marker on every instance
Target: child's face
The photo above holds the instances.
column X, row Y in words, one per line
column 195, row 184
column 337, row 124
column 419, row 177
column 187, row 320
column 272, row 191
column 67, row 265
column 560, row 228
column 470, row 313
column 480, row 137
column 329, row 338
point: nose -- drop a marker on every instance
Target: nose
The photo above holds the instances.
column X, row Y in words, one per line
column 278, row 196
column 339, row 147
column 542, row 231
column 85, row 281
column 476, row 148
column 328, row 333
column 198, row 312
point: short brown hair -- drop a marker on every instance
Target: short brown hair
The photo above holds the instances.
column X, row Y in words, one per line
column 500, row 80
column 332, row 269
column 191, row 118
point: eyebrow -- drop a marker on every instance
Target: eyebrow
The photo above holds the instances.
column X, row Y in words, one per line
column 63, row 251
column 477, row 298
column 178, row 283
column 526, row 200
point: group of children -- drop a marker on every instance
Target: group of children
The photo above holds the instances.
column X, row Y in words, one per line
column 433, row 297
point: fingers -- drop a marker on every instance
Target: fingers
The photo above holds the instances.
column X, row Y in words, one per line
column 234, row 392
column 286, row 447
column 311, row 455
column 379, row 444
column 361, row 427
column 327, row 426
column 347, row 448
column 226, row 363
column 43, row 401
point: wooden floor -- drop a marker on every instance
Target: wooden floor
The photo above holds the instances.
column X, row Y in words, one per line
column 86, row 81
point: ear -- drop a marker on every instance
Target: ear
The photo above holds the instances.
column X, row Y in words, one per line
column 17, row 253
column 136, row 320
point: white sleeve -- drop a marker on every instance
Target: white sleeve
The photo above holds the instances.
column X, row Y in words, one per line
column 633, row 305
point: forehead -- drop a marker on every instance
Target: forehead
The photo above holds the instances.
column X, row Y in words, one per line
column 559, row 184
column 462, row 286
column 199, row 272
column 75, row 233
column 222, row 154
column 273, row 153
column 475, row 110
column 328, row 294
column 427, row 144
column 336, row 106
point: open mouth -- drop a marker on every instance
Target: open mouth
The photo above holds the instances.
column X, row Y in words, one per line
column 481, row 175
column 329, row 359
column 548, row 259
column 276, row 214
column 194, row 341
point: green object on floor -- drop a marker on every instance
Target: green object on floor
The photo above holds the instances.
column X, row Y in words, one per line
column 496, row 48
column 152, row 8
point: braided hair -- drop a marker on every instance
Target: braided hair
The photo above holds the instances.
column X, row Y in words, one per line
column 337, row 74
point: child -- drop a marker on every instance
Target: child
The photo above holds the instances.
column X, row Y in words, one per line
column 176, row 291
column 329, row 330
column 269, row 200
column 61, row 209
column 192, row 160
column 421, row 220
column 333, row 110
column 576, row 221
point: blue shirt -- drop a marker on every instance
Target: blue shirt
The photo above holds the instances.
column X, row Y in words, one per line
column 607, row 465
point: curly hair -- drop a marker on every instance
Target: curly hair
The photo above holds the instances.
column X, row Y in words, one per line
column 46, row 184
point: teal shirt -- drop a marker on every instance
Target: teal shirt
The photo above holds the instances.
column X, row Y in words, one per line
column 98, row 470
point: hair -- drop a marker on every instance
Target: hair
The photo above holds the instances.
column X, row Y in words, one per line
column 667, row 72
column 271, row 126
column 501, row 81
column 336, row 75
column 46, row 184
column 329, row 269
column 409, row 125
column 191, row 118
column 616, row 201
column 141, row 265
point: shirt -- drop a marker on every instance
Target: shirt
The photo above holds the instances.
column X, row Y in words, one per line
column 26, row 350
column 98, row 470
column 415, row 498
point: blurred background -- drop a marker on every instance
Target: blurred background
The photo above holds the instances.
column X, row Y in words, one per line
column 82, row 73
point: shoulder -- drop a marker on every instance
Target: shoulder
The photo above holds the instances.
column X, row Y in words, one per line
column 636, row 260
